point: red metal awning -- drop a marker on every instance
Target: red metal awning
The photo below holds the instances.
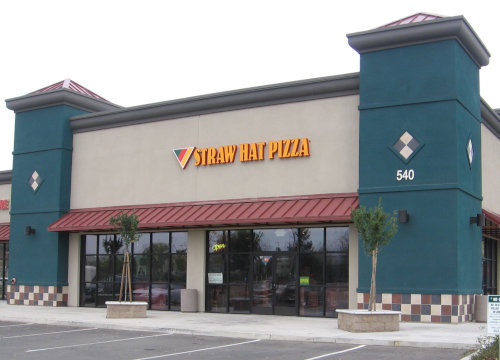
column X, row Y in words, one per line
column 491, row 216
column 308, row 209
column 4, row 232
column 492, row 229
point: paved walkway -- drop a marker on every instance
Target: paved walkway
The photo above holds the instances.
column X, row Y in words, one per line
column 461, row 336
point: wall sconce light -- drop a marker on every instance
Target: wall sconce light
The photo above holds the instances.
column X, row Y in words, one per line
column 403, row 216
column 28, row 230
column 479, row 220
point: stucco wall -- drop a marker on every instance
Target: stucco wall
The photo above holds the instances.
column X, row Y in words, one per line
column 196, row 265
column 353, row 266
column 5, row 195
column 74, row 270
column 136, row 165
column 491, row 170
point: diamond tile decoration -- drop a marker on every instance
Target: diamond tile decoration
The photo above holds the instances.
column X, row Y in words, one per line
column 470, row 151
column 35, row 181
column 406, row 145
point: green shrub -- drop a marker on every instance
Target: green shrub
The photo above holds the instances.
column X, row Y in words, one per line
column 488, row 348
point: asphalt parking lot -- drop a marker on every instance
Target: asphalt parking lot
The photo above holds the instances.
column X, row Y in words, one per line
column 40, row 341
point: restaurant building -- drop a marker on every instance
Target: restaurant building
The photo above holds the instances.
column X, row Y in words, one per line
column 246, row 195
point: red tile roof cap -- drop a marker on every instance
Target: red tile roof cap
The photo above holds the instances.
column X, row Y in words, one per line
column 413, row 19
column 70, row 85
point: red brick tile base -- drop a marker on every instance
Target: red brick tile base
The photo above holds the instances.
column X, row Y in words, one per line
column 436, row 308
column 37, row 295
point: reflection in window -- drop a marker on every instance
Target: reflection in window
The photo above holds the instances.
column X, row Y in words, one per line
column 245, row 270
column 158, row 268
column 142, row 245
column 161, row 243
column 217, row 242
column 4, row 266
column 140, row 268
column 179, row 243
column 110, row 244
column 241, row 240
column 337, row 239
column 275, row 239
column 312, row 239
column 91, row 244
column 337, row 269
column 311, row 267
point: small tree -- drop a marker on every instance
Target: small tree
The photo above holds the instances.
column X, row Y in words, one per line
column 376, row 228
column 127, row 225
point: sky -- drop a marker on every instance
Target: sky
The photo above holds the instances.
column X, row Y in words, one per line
column 141, row 52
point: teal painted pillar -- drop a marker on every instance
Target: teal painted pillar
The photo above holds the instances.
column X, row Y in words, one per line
column 41, row 189
column 420, row 150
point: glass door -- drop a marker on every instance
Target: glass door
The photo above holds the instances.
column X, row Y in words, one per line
column 285, row 285
column 262, row 285
column 274, row 284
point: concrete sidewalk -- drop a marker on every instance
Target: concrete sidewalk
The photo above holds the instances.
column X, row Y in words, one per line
column 460, row 336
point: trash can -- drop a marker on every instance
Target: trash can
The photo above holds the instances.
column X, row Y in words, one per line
column 481, row 308
column 189, row 300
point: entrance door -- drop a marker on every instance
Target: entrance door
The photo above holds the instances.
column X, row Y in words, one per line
column 274, row 284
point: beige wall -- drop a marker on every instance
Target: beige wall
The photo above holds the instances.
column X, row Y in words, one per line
column 195, row 274
column 353, row 266
column 73, row 269
column 490, row 146
column 135, row 164
column 5, row 195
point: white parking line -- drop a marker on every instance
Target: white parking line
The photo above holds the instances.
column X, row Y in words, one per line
column 48, row 333
column 99, row 342
column 337, row 352
column 1, row 326
column 197, row 350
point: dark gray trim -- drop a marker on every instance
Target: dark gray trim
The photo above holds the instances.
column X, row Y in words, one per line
column 319, row 88
column 58, row 97
column 5, row 177
column 417, row 33
column 491, row 118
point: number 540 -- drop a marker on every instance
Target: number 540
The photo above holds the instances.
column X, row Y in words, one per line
column 405, row 174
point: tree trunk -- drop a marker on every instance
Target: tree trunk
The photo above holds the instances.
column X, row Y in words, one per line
column 125, row 283
column 373, row 288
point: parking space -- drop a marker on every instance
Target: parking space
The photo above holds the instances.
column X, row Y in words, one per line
column 44, row 342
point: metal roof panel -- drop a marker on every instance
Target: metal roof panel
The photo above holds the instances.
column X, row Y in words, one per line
column 257, row 211
column 4, row 232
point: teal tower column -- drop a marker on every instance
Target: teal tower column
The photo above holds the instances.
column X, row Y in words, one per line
column 420, row 151
column 41, row 189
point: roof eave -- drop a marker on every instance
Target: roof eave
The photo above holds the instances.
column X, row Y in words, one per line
column 6, row 177
column 455, row 27
column 326, row 87
column 491, row 118
column 59, row 97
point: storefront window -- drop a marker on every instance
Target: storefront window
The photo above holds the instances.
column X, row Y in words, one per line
column 158, row 269
column 297, row 271
column 311, row 301
column 337, row 239
column 312, row 239
column 241, row 241
column 275, row 239
column 489, row 259
column 4, row 265
column 179, row 243
column 217, row 283
column 142, row 245
column 311, row 268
